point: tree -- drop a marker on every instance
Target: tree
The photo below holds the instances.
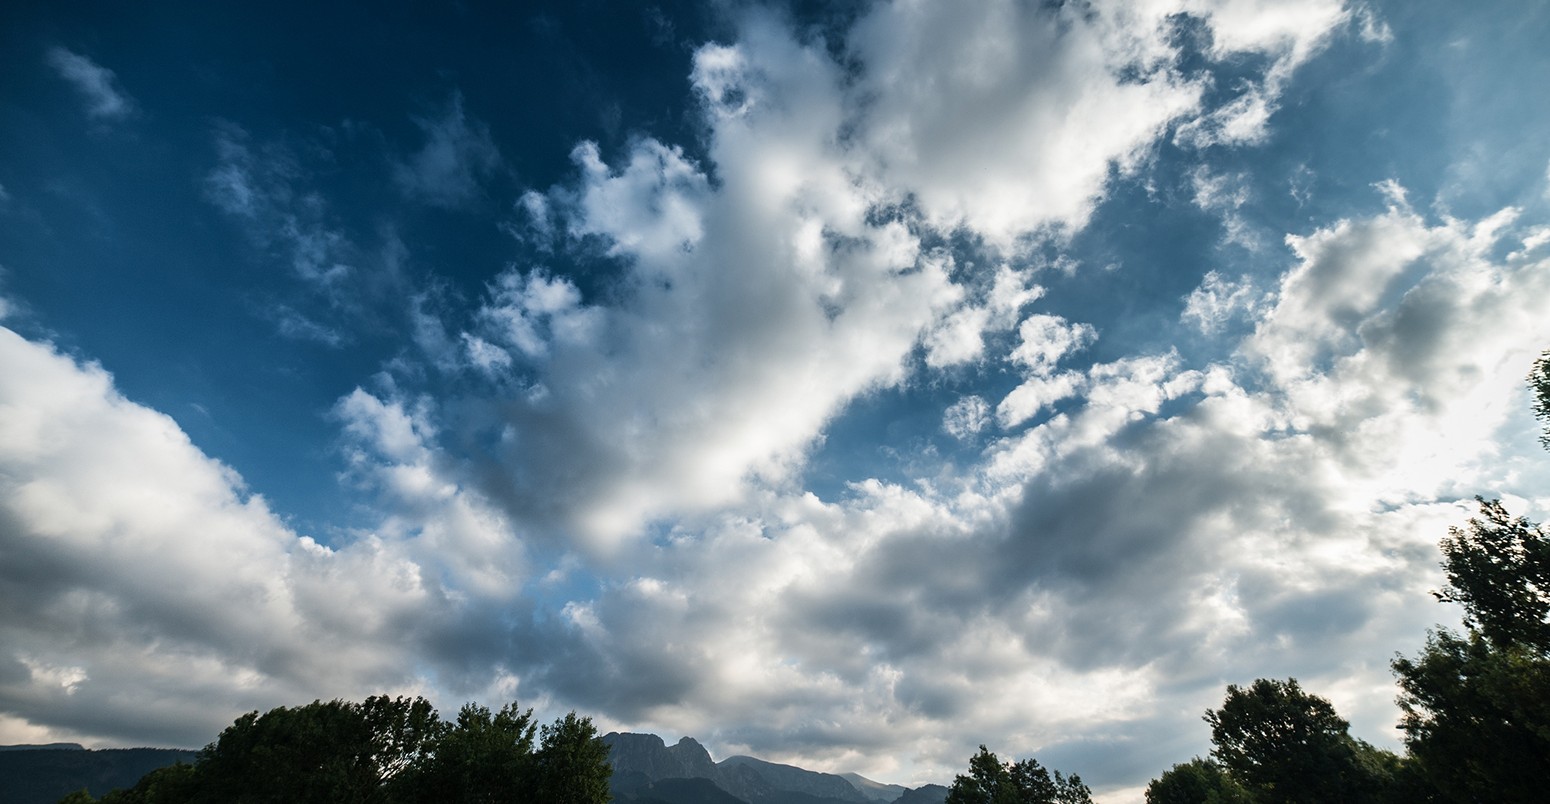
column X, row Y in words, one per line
column 572, row 763
column 1499, row 571
column 320, row 752
column 1286, row 745
column 1539, row 383
column 484, row 757
column 174, row 784
column 385, row 751
column 1198, row 781
column 1476, row 706
column 401, row 730
column 1023, row 782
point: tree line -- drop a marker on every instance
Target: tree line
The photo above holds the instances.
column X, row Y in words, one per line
column 384, row 751
column 1475, row 705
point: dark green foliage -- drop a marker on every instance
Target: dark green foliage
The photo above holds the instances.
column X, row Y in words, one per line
column 1499, row 571
column 1539, row 383
column 1198, row 781
column 1477, row 717
column 384, row 751
column 480, row 758
column 1477, row 706
column 1286, row 745
column 572, row 762
column 173, row 784
column 322, row 752
column 1023, row 782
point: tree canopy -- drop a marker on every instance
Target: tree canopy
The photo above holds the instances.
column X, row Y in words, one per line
column 1287, row 745
column 1477, row 705
column 1198, row 781
column 990, row 781
column 385, row 751
column 1539, row 384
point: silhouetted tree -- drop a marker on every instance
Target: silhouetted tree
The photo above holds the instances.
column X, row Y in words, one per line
column 174, row 784
column 1023, row 782
column 1499, row 571
column 1539, row 384
column 385, row 751
column 1477, row 705
column 484, row 757
column 1198, row 781
column 1286, row 745
column 322, row 752
column 572, row 763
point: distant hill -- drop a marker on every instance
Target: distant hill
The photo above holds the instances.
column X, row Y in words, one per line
column 791, row 779
column 45, row 774
column 876, row 791
column 648, row 771
column 925, row 794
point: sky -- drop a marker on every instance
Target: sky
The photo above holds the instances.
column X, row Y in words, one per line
column 846, row 384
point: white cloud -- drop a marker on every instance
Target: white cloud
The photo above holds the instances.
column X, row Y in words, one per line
column 1218, row 301
column 1290, row 33
column 154, row 598
column 650, row 209
column 959, row 336
column 747, row 315
column 1007, row 118
column 97, row 85
column 749, row 312
column 1035, row 394
column 533, row 312
column 1045, row 339
column 966, row 418
column 1172, row 528
column 631, row 536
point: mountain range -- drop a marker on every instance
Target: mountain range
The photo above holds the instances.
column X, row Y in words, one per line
column 648, row 771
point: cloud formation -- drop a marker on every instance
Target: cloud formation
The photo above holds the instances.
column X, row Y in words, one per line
column 458, row 154
column 817, row 438
column 97, row 85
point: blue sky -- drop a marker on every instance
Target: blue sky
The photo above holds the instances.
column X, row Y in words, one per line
column 845, row 384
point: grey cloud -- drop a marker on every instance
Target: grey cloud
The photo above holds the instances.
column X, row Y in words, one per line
column 155, row 598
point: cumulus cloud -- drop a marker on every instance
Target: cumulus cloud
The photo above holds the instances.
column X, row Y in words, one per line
column 959, row 336
column 610, row 512
column 97, row 85
column 458, row 154
column 121, row 540
column 1051, row 114
column 745, row 317
column 1173, row 528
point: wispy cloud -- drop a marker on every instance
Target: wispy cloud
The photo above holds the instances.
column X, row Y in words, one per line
column 97, row 85
column 458, row 154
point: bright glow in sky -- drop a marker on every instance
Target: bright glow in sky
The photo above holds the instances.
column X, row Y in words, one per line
column 844, row 384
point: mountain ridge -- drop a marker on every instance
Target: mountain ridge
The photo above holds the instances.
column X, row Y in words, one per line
column 648, row 771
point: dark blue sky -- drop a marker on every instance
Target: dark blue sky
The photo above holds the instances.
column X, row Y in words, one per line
column 814, row 379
